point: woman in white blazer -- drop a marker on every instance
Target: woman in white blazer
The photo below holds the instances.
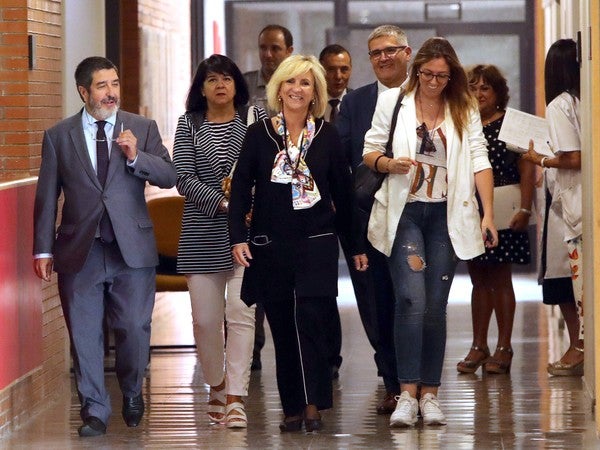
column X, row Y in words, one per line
column 425, row 215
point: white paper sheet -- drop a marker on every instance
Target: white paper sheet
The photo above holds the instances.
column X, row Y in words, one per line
column 519, row 127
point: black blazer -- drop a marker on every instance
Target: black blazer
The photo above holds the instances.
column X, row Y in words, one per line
column 294, row 251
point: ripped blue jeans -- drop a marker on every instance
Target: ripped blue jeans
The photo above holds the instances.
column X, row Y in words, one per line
column 422, row 266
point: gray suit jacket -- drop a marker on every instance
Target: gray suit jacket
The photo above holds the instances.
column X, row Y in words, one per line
column 66, row 168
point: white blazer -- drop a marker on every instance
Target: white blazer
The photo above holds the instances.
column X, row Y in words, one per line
column 464, row 158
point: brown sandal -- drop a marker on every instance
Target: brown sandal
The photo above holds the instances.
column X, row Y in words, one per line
column 497, row 366
column 471, row 365
column 561, row 369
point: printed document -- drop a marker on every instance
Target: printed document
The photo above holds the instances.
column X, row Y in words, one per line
column 519, row 127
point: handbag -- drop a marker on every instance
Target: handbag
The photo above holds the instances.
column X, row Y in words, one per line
column 367, row 181
column 507, row 202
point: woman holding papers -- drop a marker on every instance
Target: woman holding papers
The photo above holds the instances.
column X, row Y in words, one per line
column 562, row 114
column 425, row 215
column 491, row 272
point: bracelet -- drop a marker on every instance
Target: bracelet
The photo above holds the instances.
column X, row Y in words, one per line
column 388, row 164
column 376, row 161
column 543, row 161
column 525, row 211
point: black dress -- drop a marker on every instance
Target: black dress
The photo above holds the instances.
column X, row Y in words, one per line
column 513, row 246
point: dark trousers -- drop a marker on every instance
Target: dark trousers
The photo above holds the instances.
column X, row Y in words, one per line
column 333, row 335
column 303, row 372
column 259, row 332
column 106, row 286
column 374, row 294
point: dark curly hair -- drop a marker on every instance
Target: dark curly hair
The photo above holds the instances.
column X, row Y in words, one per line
column 491, row 76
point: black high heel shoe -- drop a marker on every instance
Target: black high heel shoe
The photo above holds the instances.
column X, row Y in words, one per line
column 292, row 423
column 313, row 424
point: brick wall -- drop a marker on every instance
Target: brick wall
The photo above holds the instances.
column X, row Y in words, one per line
column 29, row 99
column 30, row 102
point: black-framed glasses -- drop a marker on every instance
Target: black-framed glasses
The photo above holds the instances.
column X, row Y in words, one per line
column 388, row 51
column 427, row 145
column 439, row 77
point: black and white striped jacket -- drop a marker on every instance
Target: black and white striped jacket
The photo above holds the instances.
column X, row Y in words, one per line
column 203, row 155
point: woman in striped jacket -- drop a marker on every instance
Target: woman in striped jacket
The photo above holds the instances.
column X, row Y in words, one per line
column 207, row 144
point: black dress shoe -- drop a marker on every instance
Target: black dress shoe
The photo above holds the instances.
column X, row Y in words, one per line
column 92, row 426
column 313, row 424
column 291, row 425
column 133, row 410
column 388, row 404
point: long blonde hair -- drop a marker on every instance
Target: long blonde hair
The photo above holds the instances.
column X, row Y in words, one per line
column 456, row 93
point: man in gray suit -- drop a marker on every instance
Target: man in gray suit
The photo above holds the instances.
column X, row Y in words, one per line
column 104, row 249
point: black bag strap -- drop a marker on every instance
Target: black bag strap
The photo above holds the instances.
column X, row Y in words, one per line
column 388, row 147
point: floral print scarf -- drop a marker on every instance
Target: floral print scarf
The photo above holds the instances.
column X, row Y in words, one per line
column 290, row 166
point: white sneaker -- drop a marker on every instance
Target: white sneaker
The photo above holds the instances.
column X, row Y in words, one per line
column 405, row 414
column 431, row 411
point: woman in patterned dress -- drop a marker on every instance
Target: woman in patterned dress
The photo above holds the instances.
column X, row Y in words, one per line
column 207, row 144
column 491, row 273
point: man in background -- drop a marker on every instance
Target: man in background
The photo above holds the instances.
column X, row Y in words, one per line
column 337, row 63
column 275, row 43
column 389, row 55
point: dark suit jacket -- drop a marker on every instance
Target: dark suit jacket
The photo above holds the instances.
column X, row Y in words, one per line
column 354, row 120
column 293, row 250
column 66, row 168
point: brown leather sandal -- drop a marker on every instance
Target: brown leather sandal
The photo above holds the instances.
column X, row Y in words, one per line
column 495, row 365
column 561, row 369
column 471, row 365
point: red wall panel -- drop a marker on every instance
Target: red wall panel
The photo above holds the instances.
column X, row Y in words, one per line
column 20, row 290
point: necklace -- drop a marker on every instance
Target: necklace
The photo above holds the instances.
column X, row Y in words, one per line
column 431, row 131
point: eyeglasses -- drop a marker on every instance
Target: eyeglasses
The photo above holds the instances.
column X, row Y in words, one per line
column 427, row 145
column 439, row 77
column 102, row 140
column 388, row 51
column 95, row 139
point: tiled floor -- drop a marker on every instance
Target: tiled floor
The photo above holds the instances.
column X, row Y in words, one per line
column 525, row 410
